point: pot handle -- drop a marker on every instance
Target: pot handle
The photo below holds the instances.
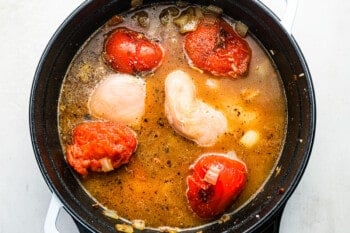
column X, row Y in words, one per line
column 52, row 214
column 287, row 18
column 58, row 220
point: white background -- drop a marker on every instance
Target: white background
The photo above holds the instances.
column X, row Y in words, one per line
column 321, row 202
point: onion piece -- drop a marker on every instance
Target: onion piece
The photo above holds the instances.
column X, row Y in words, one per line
column 167, row 14
column 111, row 213
column 212, row 174
column 188, row 19
column 241, row 29
column 106, row 164
column 214, row 9
column 124, row 228
column 224, row 218
column 142, row 18
column 138, row 224
column 250, row 138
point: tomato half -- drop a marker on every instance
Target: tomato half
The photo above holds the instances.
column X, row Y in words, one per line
column 99, row 144
column 214, row 183
column 131, row 52
column 216, row 48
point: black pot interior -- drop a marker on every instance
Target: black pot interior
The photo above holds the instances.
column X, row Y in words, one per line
column 262, row 23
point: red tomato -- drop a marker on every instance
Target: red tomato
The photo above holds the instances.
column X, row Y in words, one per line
column 98, row 143
column 216, row 48
column 131, row 52
column 210, row 197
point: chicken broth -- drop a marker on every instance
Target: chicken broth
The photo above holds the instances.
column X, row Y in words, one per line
column 152, row 186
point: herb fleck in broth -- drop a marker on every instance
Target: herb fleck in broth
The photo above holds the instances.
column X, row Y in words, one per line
column 152, row 186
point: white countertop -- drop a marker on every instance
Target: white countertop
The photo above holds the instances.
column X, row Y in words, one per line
column 321, row 202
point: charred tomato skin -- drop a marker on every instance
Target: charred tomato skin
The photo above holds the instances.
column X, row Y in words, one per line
column 216, row 48
column 209, row 200
column 131, row 52
column 93, row 141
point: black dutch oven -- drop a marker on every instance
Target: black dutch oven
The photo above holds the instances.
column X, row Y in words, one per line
column 261, row 214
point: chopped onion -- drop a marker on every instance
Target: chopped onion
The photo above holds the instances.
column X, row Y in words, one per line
column 138, row 224
column 111, row 213
column 214, row 9
column 188, row 19
column 124, row 228
column 106, row 164
column 212, row 175
column 224, row 218
column 250, row 138
column 142, row 18
column 167, row 14
column 241, row 28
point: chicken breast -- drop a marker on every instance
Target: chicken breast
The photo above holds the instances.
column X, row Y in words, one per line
column 190, row 116
column 119, row 97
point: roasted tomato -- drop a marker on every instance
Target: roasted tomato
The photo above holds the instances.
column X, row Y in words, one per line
column 214, row 183
column 131, row 52
column 100, row 146
column 216, row 48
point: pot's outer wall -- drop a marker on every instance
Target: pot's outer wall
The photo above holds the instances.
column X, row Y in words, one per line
column 262, row 23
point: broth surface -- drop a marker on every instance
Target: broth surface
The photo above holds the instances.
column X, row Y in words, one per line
column 152, row 186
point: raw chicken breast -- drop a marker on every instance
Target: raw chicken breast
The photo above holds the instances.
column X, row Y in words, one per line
column 188, row 115
column 119, row 97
